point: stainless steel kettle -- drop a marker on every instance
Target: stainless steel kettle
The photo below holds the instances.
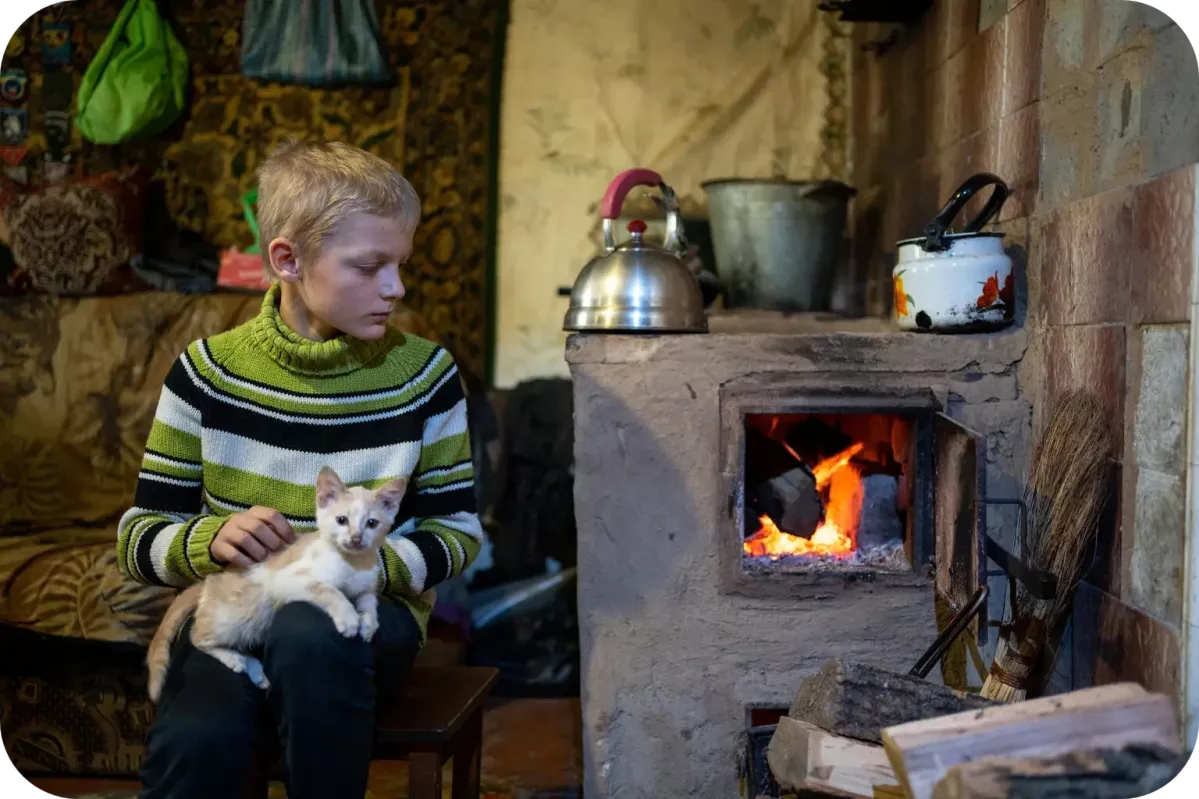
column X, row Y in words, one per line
column 637, row 286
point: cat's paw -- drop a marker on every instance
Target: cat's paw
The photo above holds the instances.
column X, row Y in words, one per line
column 346, row 621
column 256, row 674
column 368, row 625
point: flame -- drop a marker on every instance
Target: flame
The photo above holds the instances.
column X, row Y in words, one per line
column 835, row 537
column 772, row 542
column 826, row 468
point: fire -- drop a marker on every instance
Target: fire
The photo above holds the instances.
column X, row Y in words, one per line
column 841, row 484
column 825, row 470
column 772, row 542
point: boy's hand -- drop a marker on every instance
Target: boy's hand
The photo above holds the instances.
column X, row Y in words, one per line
column 248, row 537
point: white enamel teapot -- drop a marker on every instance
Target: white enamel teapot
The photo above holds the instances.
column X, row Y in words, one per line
column 956, row 282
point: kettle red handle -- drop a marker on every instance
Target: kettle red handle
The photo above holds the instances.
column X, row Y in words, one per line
column 620, row 187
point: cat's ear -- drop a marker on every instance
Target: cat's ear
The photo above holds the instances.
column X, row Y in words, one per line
column 389, row 494
column 329, row 487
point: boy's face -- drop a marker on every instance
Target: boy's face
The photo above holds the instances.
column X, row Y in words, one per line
column 353, row 283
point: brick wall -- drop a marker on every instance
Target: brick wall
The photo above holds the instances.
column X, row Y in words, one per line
column 1089, row 109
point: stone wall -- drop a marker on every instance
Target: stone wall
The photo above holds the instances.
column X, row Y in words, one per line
column 1090, row 110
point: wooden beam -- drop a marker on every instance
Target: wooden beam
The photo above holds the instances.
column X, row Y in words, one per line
column 804, row 757
column 1111, row 716
column 1090, row 773
column 857, row 701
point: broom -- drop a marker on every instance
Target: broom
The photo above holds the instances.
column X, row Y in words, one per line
column 1065, row 495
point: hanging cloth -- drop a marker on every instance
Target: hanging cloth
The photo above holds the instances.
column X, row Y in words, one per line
column 137, row 83
column 315, row 42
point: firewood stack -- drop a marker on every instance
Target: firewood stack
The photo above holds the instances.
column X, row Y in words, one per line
column 859, row 731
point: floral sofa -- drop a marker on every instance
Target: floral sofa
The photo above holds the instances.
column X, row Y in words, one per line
column 79, row 381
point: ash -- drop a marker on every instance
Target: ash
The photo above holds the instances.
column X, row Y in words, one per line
column 888, row 557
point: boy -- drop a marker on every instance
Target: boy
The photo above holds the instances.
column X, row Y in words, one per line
column 245, row 421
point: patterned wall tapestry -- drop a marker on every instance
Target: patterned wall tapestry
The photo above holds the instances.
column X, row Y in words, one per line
column 436, row 123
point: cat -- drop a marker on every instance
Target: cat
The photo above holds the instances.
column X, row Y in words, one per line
column 336, row 569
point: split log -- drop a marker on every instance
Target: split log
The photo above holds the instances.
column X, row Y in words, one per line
column 1086, row 774
column 1112, row 716
column 802, row 508
column 804, row 757
column 878, row 519
column 857, row 701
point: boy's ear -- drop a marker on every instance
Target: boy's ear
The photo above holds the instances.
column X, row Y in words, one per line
column 282, row 255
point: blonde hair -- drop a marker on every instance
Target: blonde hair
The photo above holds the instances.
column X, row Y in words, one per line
column 306, row 189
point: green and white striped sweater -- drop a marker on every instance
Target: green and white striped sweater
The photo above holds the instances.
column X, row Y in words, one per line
column 249, row 417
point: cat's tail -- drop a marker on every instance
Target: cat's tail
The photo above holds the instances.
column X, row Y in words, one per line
column 158, row 658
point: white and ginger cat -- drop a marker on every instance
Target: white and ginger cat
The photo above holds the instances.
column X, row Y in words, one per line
column 336, row 568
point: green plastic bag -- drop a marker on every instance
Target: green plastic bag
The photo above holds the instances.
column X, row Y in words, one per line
column 248, row 201
column 137, row 84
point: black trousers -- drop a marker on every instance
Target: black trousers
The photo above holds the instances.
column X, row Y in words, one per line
column 211, row 721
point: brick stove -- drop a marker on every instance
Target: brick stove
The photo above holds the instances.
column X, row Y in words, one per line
column 688, row 618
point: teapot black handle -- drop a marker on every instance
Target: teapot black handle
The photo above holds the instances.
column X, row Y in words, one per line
column 934, row 233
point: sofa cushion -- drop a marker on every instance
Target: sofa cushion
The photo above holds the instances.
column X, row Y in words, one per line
column 66, row 583
column 79, row 382
column 79, row 236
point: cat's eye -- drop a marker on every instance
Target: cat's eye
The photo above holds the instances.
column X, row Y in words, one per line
column 342, row 520
column 372, row 523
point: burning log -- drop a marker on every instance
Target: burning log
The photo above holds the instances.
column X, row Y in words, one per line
column 1112, row 716
column 878, row 522
column 858, row 701
column 791, row 498
column 803, row 509
column 1085, row 774
column 804, row 757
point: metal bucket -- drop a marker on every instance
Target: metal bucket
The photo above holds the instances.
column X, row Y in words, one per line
column 778, row 244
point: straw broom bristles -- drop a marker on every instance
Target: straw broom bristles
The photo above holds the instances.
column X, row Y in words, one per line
column 1065, row 495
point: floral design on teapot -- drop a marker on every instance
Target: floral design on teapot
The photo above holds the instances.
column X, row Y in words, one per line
column 992, row 295
column 902, row 298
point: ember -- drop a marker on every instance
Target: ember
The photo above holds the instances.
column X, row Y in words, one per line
column 773, row 543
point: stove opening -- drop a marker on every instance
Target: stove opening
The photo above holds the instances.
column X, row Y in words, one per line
column 829, row 491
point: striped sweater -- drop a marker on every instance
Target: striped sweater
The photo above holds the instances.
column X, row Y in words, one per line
column 249, row 417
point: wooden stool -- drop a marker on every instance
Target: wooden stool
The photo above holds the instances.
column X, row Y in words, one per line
column 439, row 716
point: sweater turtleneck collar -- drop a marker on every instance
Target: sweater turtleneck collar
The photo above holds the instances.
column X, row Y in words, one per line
column 336, row 356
